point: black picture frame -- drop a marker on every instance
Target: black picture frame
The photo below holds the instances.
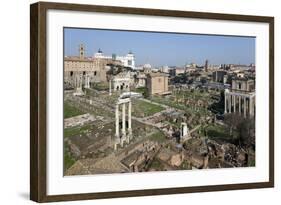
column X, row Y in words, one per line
column 38, row 102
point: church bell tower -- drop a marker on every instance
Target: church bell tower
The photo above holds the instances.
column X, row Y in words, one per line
column 81, row 51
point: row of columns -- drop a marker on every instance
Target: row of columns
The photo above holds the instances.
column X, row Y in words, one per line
column 110, row 91
column 87, row 81
column 245, row 104
column 126, row 135
column 78, row 85
column 79, row 81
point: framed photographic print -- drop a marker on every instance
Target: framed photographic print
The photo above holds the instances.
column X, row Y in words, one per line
column 134, row 102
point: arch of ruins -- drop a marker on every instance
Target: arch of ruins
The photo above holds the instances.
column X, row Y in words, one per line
column 126, row 135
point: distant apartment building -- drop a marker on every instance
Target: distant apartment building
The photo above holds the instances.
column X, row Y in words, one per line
column 206, row 65
column 164, row 69
column 180, row 70
column 218, row 76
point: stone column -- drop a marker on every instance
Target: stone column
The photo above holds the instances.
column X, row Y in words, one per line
column 229, row 103
column 123, row 123
column 80, row 81
column 117, row 140
column 88, row 81
column 250, row 106
column 245, row 106
column 234, row 103
column 117, row 120
column 184, row 130
column 239, row 99
column 110, row 87
column 225, row 107
column 253, row 106
column 77, row 81
column 130, row 119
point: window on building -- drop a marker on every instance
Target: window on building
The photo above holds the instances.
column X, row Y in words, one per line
column 239, row 86
column 130, row 62
column 95, row 73
column 71, row 73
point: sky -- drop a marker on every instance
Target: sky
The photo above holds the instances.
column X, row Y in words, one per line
column 159, row 49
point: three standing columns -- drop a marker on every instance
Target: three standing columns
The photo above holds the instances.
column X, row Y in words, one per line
column 126, row 135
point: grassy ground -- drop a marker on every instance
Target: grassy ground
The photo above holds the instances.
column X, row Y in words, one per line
column 68, row 159
column 143, row 91
column 101, row 86
column 144, row 109
column 76, row 130
column 158, row 137
column 252, row 163
column 196, row 95
column 176, row 124
column 252, row 158
column 156, row 165
column 185, row 165
column 218, row 132
column 70, row 111
column 180, row 106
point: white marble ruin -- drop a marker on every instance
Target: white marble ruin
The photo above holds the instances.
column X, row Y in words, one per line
column 184, row 131
column 120, row 82
column 79, row 120
column 87, row 81
column 126, row 135
column 78, row 85
column 242, row 103
column 110, row 90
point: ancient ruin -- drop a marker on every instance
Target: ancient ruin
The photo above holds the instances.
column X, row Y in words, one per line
column 126, row 134
column 122, row 117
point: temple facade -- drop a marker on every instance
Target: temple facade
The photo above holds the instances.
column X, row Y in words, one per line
column 241, row 97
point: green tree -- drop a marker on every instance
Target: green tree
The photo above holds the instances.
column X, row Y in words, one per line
column 246, row 132
column 232, row 121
